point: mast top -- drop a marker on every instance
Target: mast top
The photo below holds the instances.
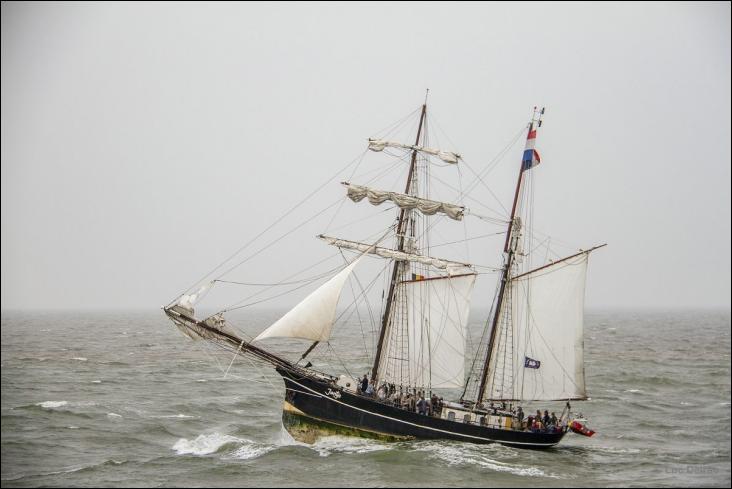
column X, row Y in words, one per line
column 537, row 116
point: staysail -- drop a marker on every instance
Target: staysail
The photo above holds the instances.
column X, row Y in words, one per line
column 446, row 156
column 545, row 349
column 436, row 314
column 426, row 206
column 313, row 318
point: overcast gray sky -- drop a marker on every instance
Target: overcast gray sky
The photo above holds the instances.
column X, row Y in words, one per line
column 143, row 143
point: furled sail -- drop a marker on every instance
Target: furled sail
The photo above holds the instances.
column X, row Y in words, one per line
column 547, row 339
column 313, row 318
column 195, row 331
column 436, row 315
column 184, row 304
column 446, row 156
column 394, row 254
column 429, row 207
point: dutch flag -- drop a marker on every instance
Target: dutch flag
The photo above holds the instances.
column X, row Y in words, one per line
column 531, row 156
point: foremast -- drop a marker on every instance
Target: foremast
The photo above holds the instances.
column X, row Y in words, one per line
column 401, row 229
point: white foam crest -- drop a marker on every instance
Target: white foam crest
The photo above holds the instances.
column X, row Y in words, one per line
column 52, row 404
column 114, row 415
column 80, row 359
column 176, row 416
column 474, row 455
column 250, row 450
column 205, row 444
column 616, row 450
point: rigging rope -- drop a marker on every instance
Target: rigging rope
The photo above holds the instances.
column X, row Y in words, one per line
column 275, row 222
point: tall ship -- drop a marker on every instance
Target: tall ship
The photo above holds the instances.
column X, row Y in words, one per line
column 530, row 349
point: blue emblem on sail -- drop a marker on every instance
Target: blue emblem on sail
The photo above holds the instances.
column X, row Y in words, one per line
column 531, row 363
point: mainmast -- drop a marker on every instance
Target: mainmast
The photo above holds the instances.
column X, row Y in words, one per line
column 509, row 247
column 401, row 229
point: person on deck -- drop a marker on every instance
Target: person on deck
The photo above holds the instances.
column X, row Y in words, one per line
column 422, row 406
column 546, row 419
column 364, row 383
column 369, row 390
column 520, row 417
column 405, row 401
column 553, row 420
column 394, row 398
column 537, row 420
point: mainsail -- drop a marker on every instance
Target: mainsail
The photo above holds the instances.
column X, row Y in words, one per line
column 436, row 314
column 539, row 352
column 313, row 318
column 426, row 206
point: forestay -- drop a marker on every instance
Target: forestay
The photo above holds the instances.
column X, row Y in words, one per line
column 313, row 318
column 428, row 207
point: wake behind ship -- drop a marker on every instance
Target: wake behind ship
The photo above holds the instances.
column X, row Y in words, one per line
column 531, row 348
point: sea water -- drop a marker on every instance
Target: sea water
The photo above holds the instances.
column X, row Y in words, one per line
column 123, row 399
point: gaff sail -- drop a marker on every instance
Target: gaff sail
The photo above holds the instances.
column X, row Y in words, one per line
column 547, row 340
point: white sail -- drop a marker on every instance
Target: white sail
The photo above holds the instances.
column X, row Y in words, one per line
column 388, row 253
column 436, row 314
column 313, row 318
column 446, row 156
column 547, row 309
column 429, row 207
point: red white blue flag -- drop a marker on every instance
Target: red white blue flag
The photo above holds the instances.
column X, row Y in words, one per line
column 531, row 156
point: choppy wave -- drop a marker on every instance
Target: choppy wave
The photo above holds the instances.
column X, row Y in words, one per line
column 231, row 446
column 204, row 444
column 171, row 420
column 52, row 404
column 464, row 454
column 341, row 444
column 67, row 470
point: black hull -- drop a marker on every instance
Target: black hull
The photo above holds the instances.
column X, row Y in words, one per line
column 313, row 403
